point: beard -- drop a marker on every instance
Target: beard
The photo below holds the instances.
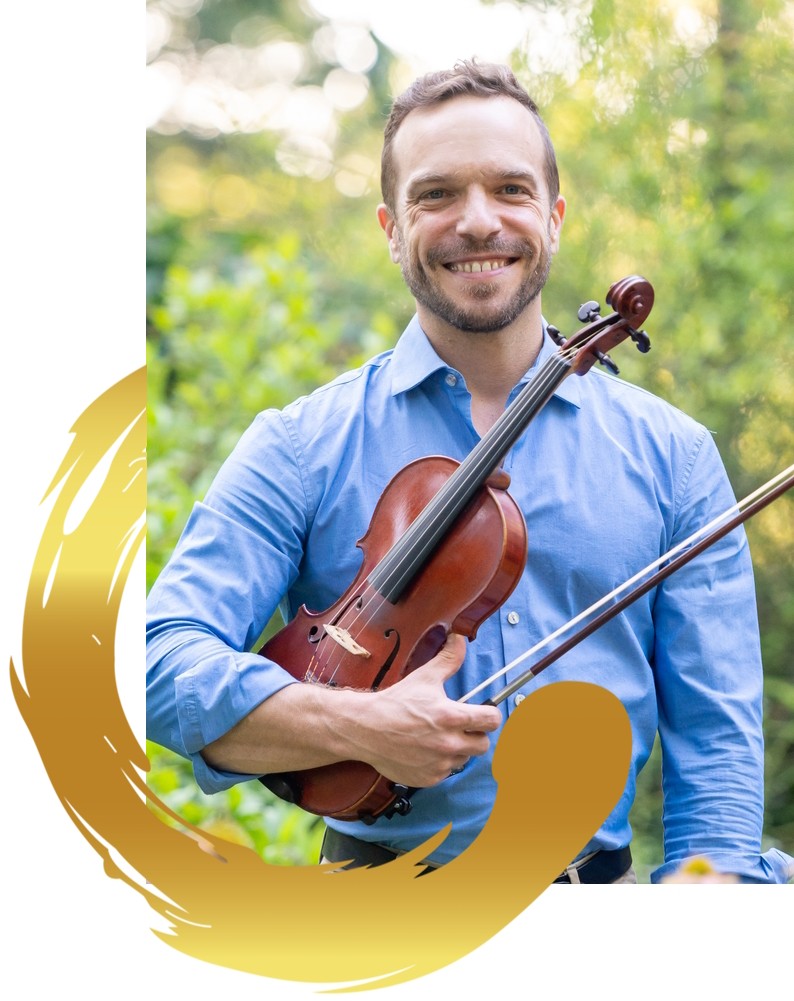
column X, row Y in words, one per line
column 474, row 311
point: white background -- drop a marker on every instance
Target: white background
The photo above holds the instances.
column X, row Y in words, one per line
column 72, row 315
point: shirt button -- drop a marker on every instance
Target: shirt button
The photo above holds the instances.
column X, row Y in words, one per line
column 518, row 699
column 451, row 380
column 513, row 618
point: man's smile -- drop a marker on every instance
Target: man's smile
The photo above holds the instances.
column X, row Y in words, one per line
column 471, row 267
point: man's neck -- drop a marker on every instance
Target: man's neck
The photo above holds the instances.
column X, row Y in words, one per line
column 491, row 363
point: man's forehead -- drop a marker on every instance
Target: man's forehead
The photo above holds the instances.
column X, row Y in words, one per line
column 478, row 110
column 488, row 133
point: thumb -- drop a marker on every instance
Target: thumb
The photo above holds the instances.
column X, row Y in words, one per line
column 449, row 658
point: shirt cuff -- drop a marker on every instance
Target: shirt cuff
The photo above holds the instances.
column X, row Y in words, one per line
column 212, row 780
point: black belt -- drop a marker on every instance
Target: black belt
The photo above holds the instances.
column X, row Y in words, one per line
column 603, row 867
column 338, row 847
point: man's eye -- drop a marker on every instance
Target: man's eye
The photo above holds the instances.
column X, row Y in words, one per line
column 513, row 189
column 435, row 194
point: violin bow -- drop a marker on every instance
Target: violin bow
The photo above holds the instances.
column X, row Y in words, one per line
column 668, row 564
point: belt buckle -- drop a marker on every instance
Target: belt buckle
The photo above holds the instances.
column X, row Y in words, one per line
column 570, row 874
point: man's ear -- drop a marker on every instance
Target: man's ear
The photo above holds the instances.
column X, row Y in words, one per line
column 555, row 223
column 389, row 227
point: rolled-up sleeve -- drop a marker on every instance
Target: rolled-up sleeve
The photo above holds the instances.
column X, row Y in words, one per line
column 709, row 685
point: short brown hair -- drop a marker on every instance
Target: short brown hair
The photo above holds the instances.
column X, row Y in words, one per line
column 466, row 78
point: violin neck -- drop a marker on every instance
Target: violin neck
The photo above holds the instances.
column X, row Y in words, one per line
column 408, row 555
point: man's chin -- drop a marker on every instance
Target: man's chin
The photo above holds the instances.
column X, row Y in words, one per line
column 480, row 308
column 482, row 319
column 482, row 325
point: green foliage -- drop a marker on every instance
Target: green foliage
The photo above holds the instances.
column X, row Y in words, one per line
column 674, row 141
column 227, row 341
column 248, row 814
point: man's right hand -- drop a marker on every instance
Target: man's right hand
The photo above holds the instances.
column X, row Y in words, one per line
column 413, row 733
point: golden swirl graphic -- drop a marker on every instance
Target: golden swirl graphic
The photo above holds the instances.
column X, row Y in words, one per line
column 224, row 904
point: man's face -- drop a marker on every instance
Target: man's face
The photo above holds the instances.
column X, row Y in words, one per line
column 473, row 228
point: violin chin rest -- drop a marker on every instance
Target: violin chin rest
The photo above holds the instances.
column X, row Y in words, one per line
column 280, row 785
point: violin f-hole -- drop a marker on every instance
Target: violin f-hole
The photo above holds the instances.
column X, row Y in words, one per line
column 389, row 660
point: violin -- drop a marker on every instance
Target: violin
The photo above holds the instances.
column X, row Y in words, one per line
column 436, row 520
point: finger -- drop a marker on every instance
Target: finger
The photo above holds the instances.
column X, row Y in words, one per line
column 475, row 743
column 483, row 720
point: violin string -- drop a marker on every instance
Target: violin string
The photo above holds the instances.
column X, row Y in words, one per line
column 686, row 544
column 394, row 562
column 313, row 663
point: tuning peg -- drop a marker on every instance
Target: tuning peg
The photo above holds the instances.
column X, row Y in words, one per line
column 589, row 311
column 607, row 362
column 555, row 335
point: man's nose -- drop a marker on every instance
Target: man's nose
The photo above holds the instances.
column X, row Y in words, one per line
column 479, row 216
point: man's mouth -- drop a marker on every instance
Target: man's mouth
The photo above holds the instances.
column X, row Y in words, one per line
column 471, row 267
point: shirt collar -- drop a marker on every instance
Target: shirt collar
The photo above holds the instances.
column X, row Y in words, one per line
column 414, row 359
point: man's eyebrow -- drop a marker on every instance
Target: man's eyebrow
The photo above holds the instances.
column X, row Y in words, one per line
column 432, row 179
column 427, row 180
column 525, row 174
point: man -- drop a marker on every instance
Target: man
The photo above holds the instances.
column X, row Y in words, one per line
column 472, row 214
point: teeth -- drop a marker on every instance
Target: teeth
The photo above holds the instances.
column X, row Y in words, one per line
column 472, row 266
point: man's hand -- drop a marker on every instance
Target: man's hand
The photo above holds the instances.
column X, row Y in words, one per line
column 412, row 732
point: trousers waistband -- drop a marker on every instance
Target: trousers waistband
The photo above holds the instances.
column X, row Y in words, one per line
column 338, row 847
column 602, row 867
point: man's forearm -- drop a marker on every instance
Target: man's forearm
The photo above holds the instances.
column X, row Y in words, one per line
column 290, row 731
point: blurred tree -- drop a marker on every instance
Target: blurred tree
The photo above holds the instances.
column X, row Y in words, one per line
column 676, row 158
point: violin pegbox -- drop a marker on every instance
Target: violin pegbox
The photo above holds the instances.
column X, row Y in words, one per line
column 589, row 312
column 631, row 300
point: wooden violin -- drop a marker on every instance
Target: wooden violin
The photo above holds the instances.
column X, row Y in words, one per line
column 445, row 548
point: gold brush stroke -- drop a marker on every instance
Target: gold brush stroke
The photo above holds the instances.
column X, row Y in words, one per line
column 561, row 764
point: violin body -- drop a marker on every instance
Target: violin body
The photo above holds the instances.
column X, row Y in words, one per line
column 368, row 642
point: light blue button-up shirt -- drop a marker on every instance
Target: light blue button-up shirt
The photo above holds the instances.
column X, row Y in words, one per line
column 608, row 478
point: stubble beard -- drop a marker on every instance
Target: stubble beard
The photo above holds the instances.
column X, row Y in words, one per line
column 474, row 315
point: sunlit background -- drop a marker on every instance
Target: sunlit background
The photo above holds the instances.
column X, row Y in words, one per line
column 267, row 77
column 267, row 273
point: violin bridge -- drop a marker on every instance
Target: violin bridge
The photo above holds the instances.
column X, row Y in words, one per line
column 344, row 639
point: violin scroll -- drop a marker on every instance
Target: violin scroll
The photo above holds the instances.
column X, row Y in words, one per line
column 632, row 300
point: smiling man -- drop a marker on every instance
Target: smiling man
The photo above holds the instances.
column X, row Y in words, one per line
column 473, row 215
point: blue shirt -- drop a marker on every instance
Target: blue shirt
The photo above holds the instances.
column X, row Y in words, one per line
column 608, row 478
